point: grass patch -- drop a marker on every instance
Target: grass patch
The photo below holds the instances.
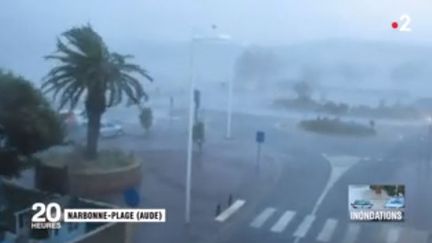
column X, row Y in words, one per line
column 396, row 111
column 337, row 127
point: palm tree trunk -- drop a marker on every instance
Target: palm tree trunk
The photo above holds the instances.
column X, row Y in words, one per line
column 93, row 128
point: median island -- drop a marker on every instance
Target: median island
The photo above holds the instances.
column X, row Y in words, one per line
column 337, row 127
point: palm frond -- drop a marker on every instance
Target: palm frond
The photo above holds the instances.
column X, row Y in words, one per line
column 87, row 67
column 68, row 94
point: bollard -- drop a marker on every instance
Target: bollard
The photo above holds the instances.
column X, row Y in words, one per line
column 218, row 209
column 230, row 199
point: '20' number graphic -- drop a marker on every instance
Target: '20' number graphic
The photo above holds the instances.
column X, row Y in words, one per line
column 51, row 212
column 405, row 22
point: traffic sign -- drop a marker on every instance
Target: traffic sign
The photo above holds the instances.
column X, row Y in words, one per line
column 260, row 137
column 131, row 197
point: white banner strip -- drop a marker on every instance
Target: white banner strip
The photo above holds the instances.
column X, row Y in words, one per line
column 114, row 215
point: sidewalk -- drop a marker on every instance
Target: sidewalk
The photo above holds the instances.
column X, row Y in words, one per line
column 215, row 175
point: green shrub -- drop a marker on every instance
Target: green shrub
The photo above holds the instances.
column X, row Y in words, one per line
column 146, row 118
column 336, row 126
column 333, row 108
column 28, row 124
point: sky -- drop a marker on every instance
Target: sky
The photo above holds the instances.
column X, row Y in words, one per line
column 28, row 31
column 266, row 22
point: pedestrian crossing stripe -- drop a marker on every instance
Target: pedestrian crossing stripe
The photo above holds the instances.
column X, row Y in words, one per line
column 352, row 233
column 304, row 227
column 413, row 235
column 283, row 222
column 230, row 211
column 261, row 218
column 390, row 234
column 386, row 233
column 327, row 231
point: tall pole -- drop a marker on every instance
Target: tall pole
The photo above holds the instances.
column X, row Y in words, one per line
column 429, row 144
column 428, row 140
column 258, row 158
column 229, row 108
column 190, row 128
column 190, row 132
column 171, row 109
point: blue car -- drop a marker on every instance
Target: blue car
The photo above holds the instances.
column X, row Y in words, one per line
column 395, row 202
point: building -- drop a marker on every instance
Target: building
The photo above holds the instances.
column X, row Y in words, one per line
column 16, row 212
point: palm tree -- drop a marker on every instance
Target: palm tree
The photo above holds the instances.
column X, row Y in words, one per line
column 86, row 68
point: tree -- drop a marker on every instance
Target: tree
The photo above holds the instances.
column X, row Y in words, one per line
column 372, row 124
column 87, row 68
column 146, row 118
column 303, row 90
column 27, row 123
column 257, row 65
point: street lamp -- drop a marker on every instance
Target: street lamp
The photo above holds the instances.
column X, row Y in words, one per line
column 429, row 124
column 194, row 41
column 428, row 140
column 230, row 97
column 229, row 108
column 429, row 121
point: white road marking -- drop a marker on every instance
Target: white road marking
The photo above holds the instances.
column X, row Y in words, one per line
column 392, row 235
column 413, row 235
column 304, row 227
column 261, row 218
column 339, row 165
column 230, row 211
column 328, row 230
column 283, row 222
column 352, row 233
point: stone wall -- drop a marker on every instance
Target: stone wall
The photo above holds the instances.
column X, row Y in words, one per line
column 102, row 182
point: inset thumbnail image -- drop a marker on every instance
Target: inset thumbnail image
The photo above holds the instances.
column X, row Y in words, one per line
column 376, row 202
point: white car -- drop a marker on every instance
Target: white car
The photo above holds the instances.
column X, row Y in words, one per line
column 110, row 129
column 73, row 117
column 361, row 204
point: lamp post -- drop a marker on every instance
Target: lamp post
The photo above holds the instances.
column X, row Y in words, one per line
column 429, row 122
column 194, row 41
column 229, row 108
column 429, row 139
column 190, row 127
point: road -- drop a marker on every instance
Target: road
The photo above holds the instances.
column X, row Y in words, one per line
column 301, row 193
column 290, row 212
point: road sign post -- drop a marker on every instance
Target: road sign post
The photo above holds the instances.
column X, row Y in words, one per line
column 229, row 108
column 171, row 109
column 260, row 138
column 194, row 99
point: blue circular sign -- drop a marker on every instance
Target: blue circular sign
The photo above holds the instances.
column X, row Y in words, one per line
column 131, row 197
